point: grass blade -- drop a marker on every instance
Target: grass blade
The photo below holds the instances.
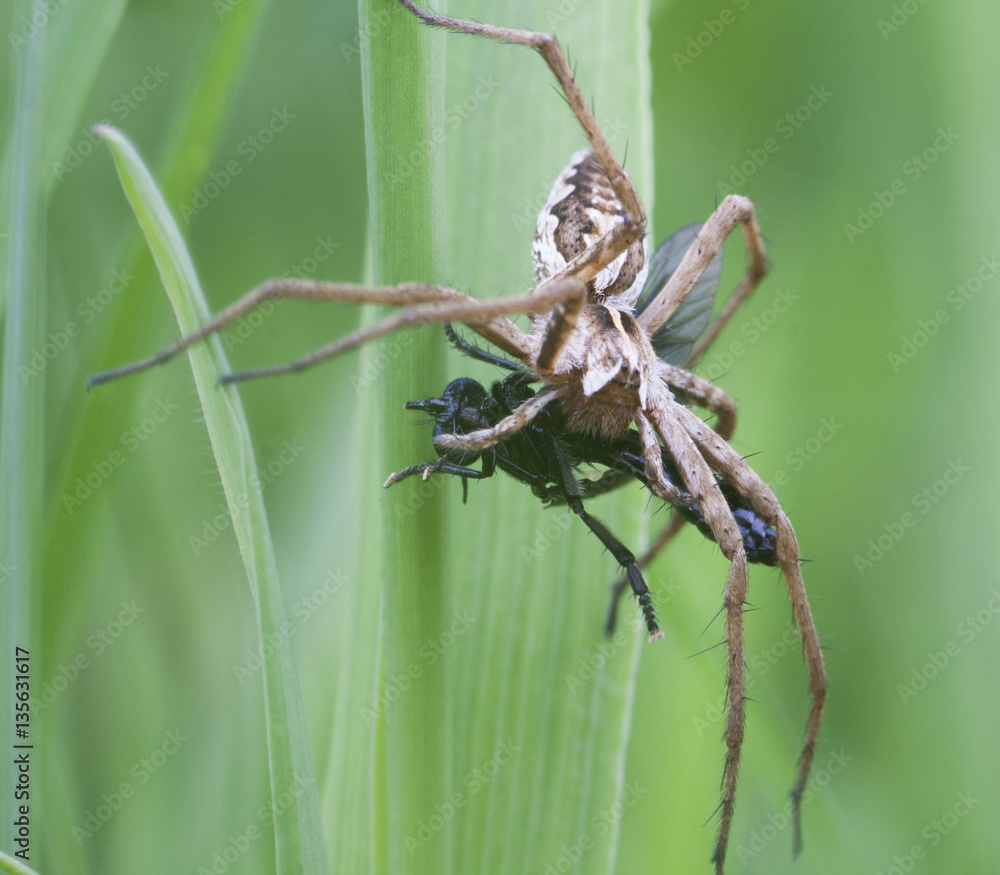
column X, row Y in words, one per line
column 13, row 866
column 22, row 417
column 402, row 78
column 508, row 747
column 298, row 836
column 78, row 41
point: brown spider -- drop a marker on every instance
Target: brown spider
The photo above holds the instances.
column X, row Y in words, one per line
column 600, row 366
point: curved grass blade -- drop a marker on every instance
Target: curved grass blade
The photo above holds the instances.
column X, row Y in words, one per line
column 298, row 835
column 13, row 866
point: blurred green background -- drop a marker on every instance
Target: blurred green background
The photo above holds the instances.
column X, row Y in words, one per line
column 867, row 137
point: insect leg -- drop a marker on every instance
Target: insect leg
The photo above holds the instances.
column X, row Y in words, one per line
column 665, row 537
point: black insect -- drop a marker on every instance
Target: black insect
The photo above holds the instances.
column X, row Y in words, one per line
column 547, row 457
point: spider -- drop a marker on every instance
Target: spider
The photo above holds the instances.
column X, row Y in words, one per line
column 544, row 455
column 599, row 366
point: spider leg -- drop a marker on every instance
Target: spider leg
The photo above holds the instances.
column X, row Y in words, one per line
column 548, row 47
column 748, row 483
column 476, row 441
column 700, row 480
column 733, row 210
column 617, row 240
column 422, row 304
column 477, row 314
column 693, row 389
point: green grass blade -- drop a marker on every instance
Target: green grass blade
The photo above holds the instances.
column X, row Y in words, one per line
column 402, row 81
column 298, row 836
column 77, row 40
column 13, row 866
column 517, row 721
column 22, row 417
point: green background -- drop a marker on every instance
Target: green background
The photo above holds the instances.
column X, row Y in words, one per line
column 877, row 424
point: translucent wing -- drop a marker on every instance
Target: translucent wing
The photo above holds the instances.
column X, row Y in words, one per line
column 675, row 339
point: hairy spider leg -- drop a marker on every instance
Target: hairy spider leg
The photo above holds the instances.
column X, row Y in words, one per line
column 548, row 47
column 734, row 210
column 700, row 480
column 760, row 497
column 422, row 303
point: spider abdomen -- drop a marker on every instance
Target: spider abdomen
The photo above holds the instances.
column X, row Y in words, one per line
column 582, row 207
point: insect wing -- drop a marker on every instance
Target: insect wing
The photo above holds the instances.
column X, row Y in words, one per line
column 675, row 339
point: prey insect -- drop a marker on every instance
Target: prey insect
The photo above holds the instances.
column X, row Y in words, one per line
column 546, row 456
column 595, row 353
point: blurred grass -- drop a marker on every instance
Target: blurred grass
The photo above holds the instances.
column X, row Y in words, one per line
column 152, row 535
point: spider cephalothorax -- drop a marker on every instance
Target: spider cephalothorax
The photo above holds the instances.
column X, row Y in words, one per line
column 600, row 343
